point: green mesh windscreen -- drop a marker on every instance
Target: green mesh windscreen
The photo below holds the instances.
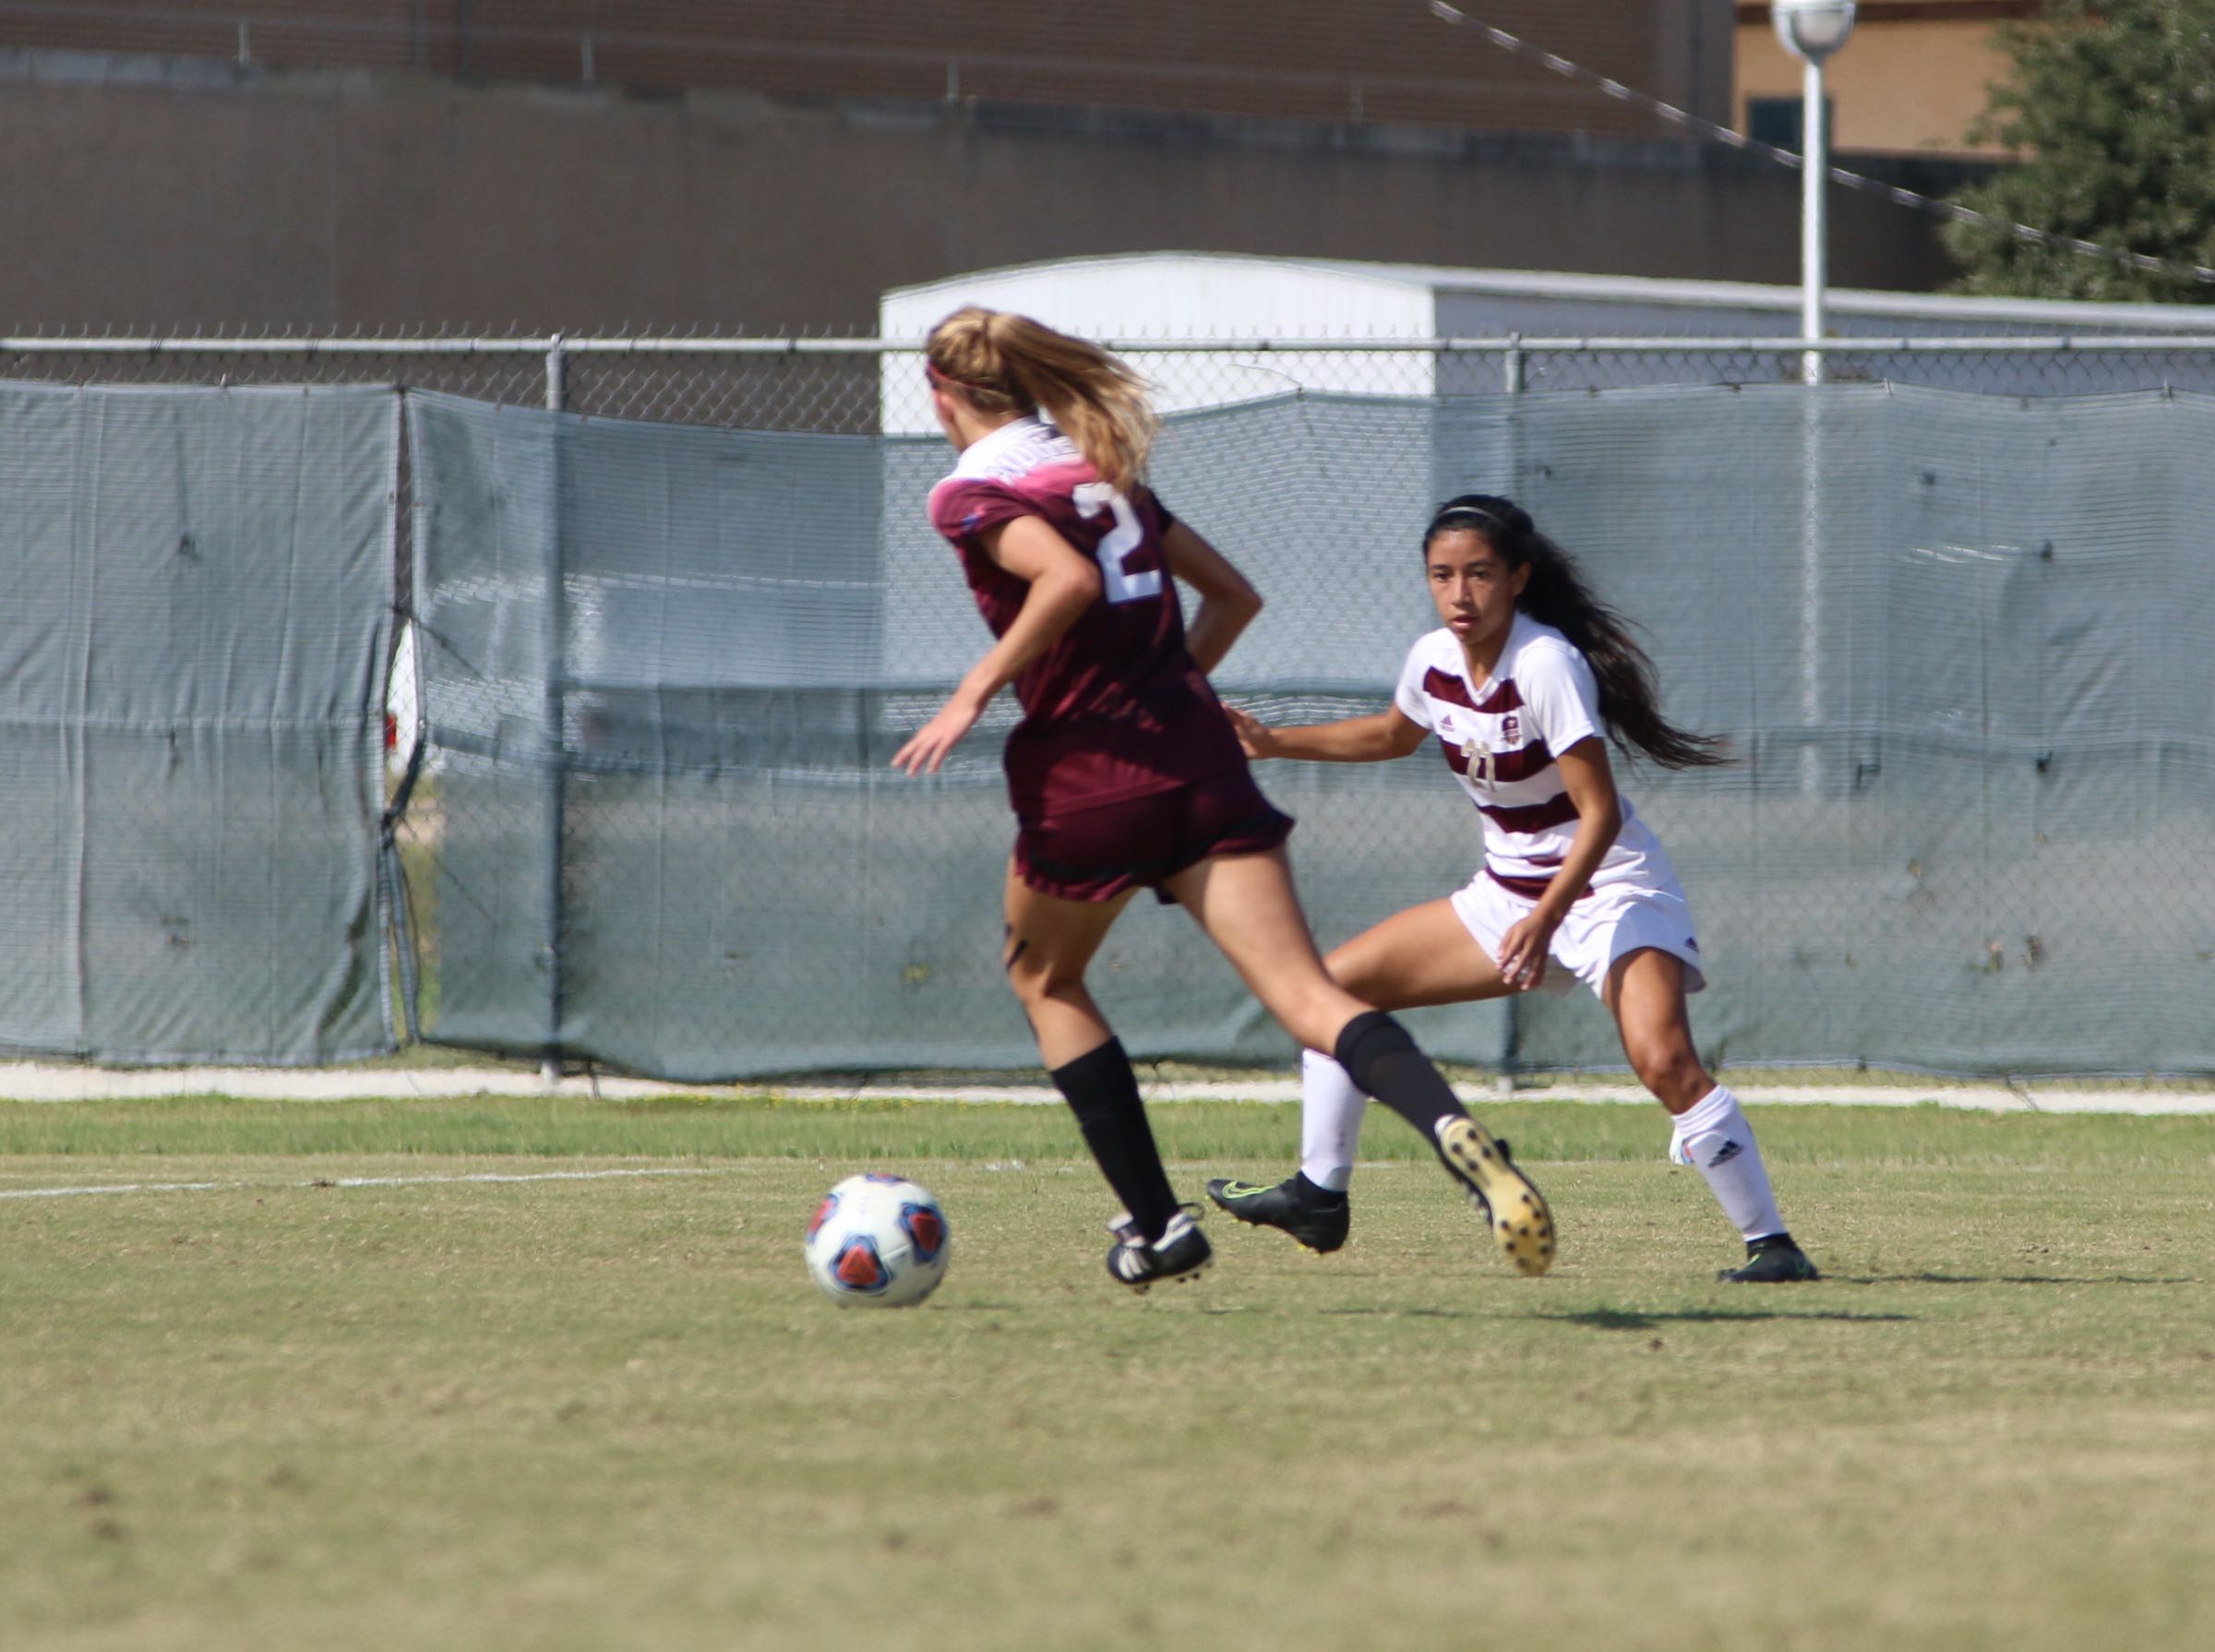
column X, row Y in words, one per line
column 191, row 683
column 1960, row 645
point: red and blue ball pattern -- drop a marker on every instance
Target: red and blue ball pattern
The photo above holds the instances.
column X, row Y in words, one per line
column 878, row 1241
column 860, row 1267
column 925, row 1227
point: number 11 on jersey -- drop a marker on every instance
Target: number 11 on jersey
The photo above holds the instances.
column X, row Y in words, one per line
column 1127, row 536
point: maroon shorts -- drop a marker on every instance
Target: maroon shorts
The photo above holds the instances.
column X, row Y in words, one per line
column 1095, row 854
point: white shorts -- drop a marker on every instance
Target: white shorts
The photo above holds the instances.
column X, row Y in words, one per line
column 1635, row 907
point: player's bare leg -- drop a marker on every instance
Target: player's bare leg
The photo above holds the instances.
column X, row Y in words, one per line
column 1646, row 991
column 1247, row 905
column 1424, row 955
column 1050, row 942
column 1415, row 959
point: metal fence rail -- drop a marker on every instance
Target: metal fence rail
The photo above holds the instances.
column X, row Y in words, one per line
column 860, row 385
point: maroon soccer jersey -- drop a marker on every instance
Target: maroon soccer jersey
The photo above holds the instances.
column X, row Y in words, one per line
column 1116, row 707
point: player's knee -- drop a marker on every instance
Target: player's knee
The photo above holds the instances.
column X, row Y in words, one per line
column 1034, row 978
column 1347, row 967
column 1670, row 1069
column 1317, row 1014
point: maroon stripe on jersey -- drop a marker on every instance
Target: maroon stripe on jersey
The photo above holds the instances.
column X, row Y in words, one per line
column 1530, row 889
column 1537, row 817
column 1441, row 685
column 1518, row 764
column 1522, row 762
column 1504, row 698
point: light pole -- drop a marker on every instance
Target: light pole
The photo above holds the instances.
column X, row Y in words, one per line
column 1812, row 31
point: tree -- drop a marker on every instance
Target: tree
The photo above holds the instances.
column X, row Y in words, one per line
column 2111, row 107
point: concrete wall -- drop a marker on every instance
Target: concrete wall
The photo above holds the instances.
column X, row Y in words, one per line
column 155, row 194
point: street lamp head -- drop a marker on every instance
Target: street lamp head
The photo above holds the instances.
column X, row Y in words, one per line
column 1812, row 29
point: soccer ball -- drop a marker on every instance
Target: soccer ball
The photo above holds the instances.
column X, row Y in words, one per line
column 878, row 1242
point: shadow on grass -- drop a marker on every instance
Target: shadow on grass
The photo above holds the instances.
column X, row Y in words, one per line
column 2010, row 1279
column 1403, row 1314
column 1297, row 1312
column 1624, row 1319
column 1598, row 1319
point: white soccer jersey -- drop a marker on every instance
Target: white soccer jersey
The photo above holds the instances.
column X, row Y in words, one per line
column 1499, row 737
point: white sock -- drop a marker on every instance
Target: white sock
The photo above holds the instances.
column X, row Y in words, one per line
column 1330, row 1121
column 1718, row 1142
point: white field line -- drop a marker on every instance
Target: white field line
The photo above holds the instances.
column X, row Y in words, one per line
column 1993, row 1098
column 30, row 1080
column 353, row 1181
column 129, row 1187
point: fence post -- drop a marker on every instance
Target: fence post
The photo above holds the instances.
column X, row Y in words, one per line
column 555, row 631
column 1512, row 381
column 1813, row 765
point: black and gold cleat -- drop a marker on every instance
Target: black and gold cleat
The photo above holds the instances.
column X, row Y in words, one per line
column 1513, row 1209
column 1772, row 1261
column 1317, row 1219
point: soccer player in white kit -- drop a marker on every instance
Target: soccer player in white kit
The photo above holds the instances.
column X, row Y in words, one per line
column 1524, row 683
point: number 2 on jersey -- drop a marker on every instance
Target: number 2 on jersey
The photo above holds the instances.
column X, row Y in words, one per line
column 1127, row 536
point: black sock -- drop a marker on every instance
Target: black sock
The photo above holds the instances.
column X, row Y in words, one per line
column 1383, row 1062
column 1102, row 1091
column 1314, row 1192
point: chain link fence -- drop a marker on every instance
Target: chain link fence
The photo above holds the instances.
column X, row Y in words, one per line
column 863, row 386
column 661, row 677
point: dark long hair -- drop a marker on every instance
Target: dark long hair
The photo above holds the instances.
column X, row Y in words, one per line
column 1557, row 595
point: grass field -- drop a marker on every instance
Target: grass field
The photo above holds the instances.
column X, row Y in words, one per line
column 342, row 1395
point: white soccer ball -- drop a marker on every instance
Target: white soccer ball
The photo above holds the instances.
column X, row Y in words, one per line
column 877, row 1241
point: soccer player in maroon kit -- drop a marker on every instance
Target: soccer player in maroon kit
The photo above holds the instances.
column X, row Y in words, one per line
column 1125, row 772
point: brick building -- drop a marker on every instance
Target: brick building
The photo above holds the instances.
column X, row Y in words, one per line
column 592, row 165
column 1379, row 61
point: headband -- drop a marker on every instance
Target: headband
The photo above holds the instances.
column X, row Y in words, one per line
column 931, row 372
column 1477, row 511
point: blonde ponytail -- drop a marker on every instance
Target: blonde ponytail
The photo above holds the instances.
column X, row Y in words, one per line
column 1004, row 363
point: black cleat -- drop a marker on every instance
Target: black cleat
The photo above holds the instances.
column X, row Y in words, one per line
column 1180, row 1253
column 1512, row 1206
column 1287, row 1204
column 1772, row 1261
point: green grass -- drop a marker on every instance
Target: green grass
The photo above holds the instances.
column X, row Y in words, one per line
column 279, row 1412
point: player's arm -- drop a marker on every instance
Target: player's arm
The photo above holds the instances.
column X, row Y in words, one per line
column 1376, row 739
column 1063, row 583
column 1590, row 784
column 1228, row 603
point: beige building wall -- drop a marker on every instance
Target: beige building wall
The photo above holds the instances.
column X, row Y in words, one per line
column 1911, row 78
